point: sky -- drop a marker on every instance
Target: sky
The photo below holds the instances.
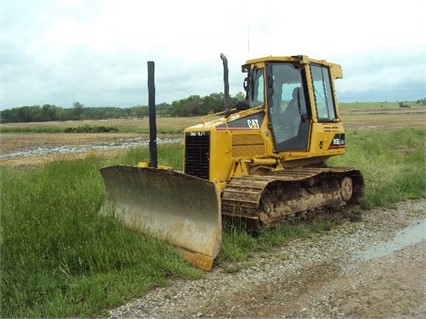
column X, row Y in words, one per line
column 95, row 52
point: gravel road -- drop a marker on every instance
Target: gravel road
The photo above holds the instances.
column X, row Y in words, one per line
column 373, row 268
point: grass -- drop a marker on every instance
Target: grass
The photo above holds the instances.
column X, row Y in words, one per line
column 384, row 104
column 60, row 258
column 29, row 129
column 393, row 164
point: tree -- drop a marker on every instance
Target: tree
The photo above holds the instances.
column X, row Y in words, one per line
column 421, row 101
column 193, row 105
column 139, row 111
column 213, row 103
column 77, row 110
column 240, row 96
column 49, row 112
column 187, row 107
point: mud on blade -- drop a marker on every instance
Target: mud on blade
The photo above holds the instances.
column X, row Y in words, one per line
column 178, row 208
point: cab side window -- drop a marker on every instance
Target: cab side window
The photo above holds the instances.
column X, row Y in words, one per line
column 258, row 95
column 324, row 101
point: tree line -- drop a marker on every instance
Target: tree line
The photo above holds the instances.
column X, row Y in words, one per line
column 194, row 105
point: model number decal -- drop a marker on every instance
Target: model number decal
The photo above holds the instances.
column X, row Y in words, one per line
column 338, row 141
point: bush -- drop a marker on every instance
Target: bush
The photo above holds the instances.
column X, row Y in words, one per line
column 91, row 129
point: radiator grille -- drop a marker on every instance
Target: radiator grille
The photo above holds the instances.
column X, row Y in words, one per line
column 197, row 154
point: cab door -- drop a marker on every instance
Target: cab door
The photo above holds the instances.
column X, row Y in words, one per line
column 287, row 105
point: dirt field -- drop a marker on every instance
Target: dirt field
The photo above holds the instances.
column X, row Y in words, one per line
column 27, row 150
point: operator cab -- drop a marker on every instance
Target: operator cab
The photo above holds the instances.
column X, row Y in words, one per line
column 282, row 85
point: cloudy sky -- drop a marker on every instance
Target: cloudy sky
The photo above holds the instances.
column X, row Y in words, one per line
column 96, row 51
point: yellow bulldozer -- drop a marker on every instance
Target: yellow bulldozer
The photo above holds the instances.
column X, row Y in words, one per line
column 262, row 161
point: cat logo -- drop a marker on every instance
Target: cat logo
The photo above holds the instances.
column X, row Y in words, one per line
column 253, row 124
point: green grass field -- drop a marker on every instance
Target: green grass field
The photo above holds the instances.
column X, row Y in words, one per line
column 60, row 258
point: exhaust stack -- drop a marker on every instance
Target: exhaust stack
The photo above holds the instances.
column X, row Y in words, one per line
column 152, row 117
column 226, row 84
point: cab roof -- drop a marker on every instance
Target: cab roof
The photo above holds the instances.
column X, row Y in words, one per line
column 336, row 69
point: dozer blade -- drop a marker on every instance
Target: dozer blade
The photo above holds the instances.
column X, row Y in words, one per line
column 178, row 208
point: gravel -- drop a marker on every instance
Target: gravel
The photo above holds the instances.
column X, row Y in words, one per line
column 323, row 276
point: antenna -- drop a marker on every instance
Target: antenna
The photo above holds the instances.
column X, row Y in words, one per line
column 248, row 40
